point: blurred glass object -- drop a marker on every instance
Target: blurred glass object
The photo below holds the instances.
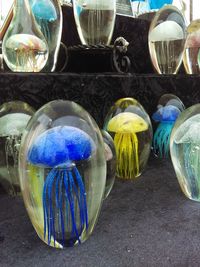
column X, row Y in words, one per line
column 95, row 20
column 24, row 46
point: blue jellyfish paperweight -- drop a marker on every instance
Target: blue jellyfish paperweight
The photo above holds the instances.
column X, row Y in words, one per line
column 185, row 151
column 168, row 110
column 14, row 117
column 111, row 161
column 62, row 170
column 130, row 127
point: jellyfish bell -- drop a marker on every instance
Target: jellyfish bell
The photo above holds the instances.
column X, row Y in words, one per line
column 44, row 9
column 62, row 173
column 14, row 117
column 166, row 114
column 185, row 151
column 130, row 127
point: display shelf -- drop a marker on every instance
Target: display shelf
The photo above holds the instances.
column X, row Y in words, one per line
column 97, row 92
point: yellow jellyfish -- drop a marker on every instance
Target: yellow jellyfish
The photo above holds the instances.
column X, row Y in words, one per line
column 125, row 126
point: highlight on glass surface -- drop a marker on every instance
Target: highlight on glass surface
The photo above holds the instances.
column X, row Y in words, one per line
column 48, row 15
column 62, row 170
column 167, row 37
column 185, row 151
column 95, row 20
column 24, row 46
column 110, row 155
column 130, row 126
column 168, row 110
column 14, row 117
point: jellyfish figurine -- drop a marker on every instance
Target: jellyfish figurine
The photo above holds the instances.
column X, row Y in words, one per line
column 166, row 116
column 14, row 117
column 185, row 151
column 126, row 126
column 62, row 173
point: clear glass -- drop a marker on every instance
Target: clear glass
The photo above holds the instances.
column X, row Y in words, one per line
column 167, row 37
column 62, row 170
column 168, row 110
column 14, row 117
column 95, row 20
column 110, row 155
column 48, row 15
column 191, row 57
column 130, row 126
column 24, row 46
column 185, row 151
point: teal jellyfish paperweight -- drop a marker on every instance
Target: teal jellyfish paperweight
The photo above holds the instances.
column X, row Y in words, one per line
column 14, row 117
column 130, row 127
column 111, row 161
column 62, row 170
column 185, row 151
column 168, row 110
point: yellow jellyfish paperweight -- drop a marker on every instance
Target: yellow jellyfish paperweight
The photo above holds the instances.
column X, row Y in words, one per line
column 130, row 126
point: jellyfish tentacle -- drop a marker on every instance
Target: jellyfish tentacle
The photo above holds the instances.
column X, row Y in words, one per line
column 83, row 195
column 51, row 175
column 69, row 196
column 135, row 140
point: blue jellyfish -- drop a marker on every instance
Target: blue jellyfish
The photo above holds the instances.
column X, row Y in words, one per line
column 166, row 116
column 157, row 4
column 44, row 12
column 59, row 149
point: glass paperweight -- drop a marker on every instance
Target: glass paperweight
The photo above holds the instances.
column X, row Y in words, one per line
column 14, row 117
column 168, row 110
column 62, row 170
column 24, row 46
column 191, row 57
column 48, row 15
column 167, row 36
column 185, row 151
column 95, row 20
column 130, row 126
column 110, row 155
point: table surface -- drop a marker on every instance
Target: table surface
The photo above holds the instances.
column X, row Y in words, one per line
column 148, row 222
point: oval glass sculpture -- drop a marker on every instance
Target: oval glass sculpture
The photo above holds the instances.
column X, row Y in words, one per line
column 130, row 126
column 167, row 36
column 191, row 57
column 95, row 20
column 168, row 110
column 185, row 151
column 14, row 117
column 48, row 15
column 62, row 171
column 110, row 155
column 24, row 46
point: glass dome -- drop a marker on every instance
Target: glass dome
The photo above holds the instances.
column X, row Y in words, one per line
column 185, row 151
column 62, row 171
column 14, row 117
column 130, row 126
column 110, row 155
column 167, row 36
column 168, row 110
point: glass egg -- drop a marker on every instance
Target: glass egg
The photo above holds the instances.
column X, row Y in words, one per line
column 185, row 151
column 168, row 110
column 167, row 37
column 62, row 170
column 130, row 126
column 110, row 155
column 14, row 117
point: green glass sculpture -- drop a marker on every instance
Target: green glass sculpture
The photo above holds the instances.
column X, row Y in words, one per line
column 24, row 46
column 185, row 151
column 14, row 117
